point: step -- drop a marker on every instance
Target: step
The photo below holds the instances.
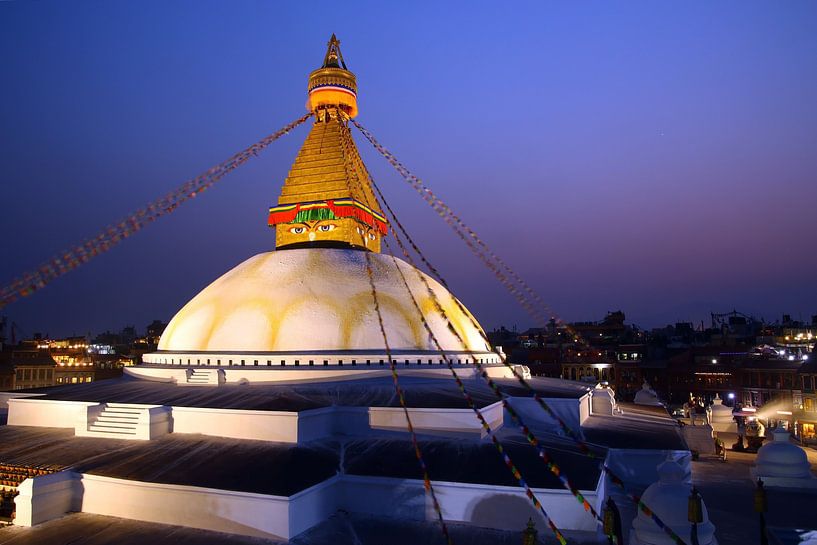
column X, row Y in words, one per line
column 117, row 425
column 122, row 410
column 109, row 429
column 120, row 414
column 118, row 419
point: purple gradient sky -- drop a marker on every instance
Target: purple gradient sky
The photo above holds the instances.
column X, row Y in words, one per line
column 654, row 157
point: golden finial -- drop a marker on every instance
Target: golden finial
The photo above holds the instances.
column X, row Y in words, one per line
column 332, row 85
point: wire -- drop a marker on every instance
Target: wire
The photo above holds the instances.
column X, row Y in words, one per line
column 69, row 260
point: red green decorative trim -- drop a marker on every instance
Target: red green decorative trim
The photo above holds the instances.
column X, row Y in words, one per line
column 330, row 209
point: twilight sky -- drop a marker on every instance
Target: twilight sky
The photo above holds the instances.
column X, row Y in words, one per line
column 658, row 158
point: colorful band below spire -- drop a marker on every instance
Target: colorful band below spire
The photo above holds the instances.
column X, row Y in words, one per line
column 330, row 209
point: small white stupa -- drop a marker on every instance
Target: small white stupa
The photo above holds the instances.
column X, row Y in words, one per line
column 647, row 396
column 783, row 464
column 669, row 500
column 720, row 416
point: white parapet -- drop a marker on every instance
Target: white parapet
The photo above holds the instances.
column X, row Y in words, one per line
column 46, row 497
column 48, row 413
column 242, row 513
column 571, row 411
column 279, row 426
column 279, row 517
column 487, row 506
column 447, row 421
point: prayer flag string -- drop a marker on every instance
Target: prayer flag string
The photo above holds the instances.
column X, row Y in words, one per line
column 351, row 177
column 445, row 212
column 469, row 400
column 69, row 260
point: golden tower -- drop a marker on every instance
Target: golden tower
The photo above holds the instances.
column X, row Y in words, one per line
column 327, row 198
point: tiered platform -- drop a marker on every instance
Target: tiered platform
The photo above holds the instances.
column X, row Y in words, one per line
column 273, row 460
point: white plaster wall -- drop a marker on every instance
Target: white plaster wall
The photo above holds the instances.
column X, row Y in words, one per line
column 488, row 506
column 220, row 510
column 435, row 420
column 46, row 413
column 222, row 359
column 279, row 517
column 239, row 424
column 319, row 423
column 314, row 505
column 585, row 407
column 601, row 402
column 46, row 497
column 157, row 374
column 6, row 396
column 568, row 409
column 302, row 373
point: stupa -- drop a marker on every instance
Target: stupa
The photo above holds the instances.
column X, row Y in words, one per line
column 647, row 396
column 782, row 464
column 305, row 311
column 720, row 416
column 270, row 405
column 668, row 499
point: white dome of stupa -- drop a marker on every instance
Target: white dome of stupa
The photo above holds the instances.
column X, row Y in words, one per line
column 668, row 499
column 781, row 463
column 319, row 299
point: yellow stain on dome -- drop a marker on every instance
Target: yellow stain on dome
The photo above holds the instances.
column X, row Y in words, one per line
column 317, row 299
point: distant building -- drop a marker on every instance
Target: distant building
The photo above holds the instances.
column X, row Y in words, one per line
column 21, row 369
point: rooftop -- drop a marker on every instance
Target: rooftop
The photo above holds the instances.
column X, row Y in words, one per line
column 372, row 392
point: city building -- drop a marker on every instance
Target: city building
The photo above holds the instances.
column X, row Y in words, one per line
column 24, row 369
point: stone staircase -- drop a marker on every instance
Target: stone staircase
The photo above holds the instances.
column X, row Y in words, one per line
column 117, row 419
column 203, row 377
column 124, row 421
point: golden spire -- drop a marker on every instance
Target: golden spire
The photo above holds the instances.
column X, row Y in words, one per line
column 327, row 198
column 332, row 84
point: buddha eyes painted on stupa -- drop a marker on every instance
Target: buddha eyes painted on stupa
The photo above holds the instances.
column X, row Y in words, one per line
column 366, row 233
column 318, row 226
column 313, row 228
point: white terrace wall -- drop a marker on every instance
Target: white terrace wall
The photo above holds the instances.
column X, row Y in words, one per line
column 571, row 410
column 47, row 497
column 490, row 506
column 206, row 508
column 47, row 413
column 280, row 426
column 238, row 424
